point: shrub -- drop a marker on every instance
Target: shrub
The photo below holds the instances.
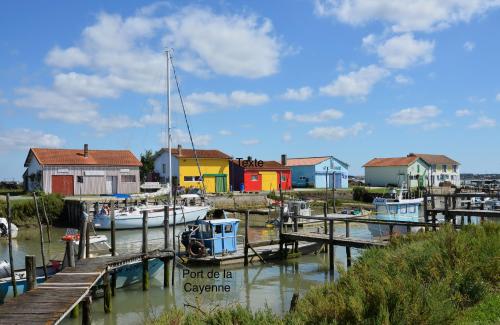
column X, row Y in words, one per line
column 24, row 213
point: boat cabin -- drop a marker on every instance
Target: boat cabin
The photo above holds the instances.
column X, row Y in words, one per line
column 390, row 207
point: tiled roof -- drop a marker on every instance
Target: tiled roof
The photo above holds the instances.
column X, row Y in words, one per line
column 386, row 162
column 75, row 157
column 269, row 165
column 435, row 159
column 201, row 153
column 305, row 161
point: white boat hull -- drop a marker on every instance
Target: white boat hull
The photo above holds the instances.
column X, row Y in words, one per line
column 155, row 218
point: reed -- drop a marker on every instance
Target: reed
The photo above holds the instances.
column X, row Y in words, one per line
column 24, row 212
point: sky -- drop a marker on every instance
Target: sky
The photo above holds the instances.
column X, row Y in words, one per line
column 355, row 79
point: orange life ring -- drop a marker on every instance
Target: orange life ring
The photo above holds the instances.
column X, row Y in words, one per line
column 71, row 237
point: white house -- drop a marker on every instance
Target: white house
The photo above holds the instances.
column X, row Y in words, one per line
column 396, row 171
column 442, row 169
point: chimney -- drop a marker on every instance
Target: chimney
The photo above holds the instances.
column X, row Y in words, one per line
column 85, row 150
column 283, row 160
column 249, row 158
column 179, row 150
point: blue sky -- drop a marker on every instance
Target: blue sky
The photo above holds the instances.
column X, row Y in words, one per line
column 355, row 79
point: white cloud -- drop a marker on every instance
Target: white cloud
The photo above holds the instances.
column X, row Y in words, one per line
column 414, row 115
column 435, row 125
column 58, row 106
column 181, row 137
column 67, row 58
column 402, row 80
column 329, row 114
column 104, row 125
column 498, row 97
column 356, row 83
column 233, row 45
column 301, row 94
column 483, row 122
column 400, row 51
column 287, row 137
column 405, row 15
column 154, row 115
column 249, row 142
column 469, row 46
column 22, row 139
column 336, row 132
column 225, row 132
column 200, row 102
column 81, row 85
column 463, row 112
column 241, row 98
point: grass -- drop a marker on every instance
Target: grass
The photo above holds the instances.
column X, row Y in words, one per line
column 443, row 277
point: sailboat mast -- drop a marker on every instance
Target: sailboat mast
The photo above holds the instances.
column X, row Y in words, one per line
column 169, row 139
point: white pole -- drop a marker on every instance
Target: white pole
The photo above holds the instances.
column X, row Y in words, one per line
column 169, row 139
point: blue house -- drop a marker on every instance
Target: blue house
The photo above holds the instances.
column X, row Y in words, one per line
column 317, row 171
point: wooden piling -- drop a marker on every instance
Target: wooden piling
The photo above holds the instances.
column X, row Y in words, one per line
column 113, row 283
column 325, row 224
column 87, row 310
column 11, row 255
column 173, row 238
column 245, row 248
column 348, row 248
column 113, row 232
column 166, row 260
column 331, row 254
column 70, row 254
column 30, row 266
column 295, row 300
column 42, row 247
column 107, row 293
column 87, row 240
column 145, row 261
column 83, row 236
column 296, row 229
column 49, row 236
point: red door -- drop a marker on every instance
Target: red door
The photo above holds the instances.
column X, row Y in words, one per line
column 63, row 184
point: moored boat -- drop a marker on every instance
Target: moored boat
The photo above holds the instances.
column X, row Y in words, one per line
column 4, row 229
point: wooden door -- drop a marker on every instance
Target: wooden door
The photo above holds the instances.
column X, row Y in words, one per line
column 63, row 184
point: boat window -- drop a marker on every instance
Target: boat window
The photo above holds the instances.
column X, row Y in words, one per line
column 382, row 209
column 303, row 206
column 393, row 209
column 402, row 209
column 411, row 209
column 218, row 229
column 228, row 228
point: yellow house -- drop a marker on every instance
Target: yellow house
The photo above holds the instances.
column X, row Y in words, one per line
column 214, row 167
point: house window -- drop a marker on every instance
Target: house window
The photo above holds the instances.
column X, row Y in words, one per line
column 444, row 168
column 418, row 169
column 434, row 168
column 192, row 178
column 283, row 178
column 128, row 178
column 254, row 178
column 455, row 168
column 164, row 168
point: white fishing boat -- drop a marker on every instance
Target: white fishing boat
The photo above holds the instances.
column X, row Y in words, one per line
column 131, row 217
column 4, row 228
column 395, row 209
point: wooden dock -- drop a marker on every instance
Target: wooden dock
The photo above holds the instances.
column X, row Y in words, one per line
column 51, row 301
column 336, row 240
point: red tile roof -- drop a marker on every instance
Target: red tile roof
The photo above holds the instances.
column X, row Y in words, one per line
column 75, row 157
column 201, row 153
column 309, row 161
column 435, row 159
column 386, row 162
column 268, row 165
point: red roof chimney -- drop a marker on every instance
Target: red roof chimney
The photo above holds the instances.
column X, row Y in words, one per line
column 85, row 150
column 179, row 150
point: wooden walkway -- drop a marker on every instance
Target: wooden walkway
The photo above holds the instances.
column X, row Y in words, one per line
column 50, row 302
column 337, row 240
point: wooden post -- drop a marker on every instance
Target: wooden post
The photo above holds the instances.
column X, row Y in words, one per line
column 42, row 247
column 245, row 248
column 11, row 255
column 166, row 261
column 433, row 201
column 87, row 310
column 113, row 283
column 391, row 230
column 434, row 221
column 30, row 265
column 87, row 240
column 426, row 213
column 296, row 229
column 107, row 293
column 325, row 224
column 49, row 236
column 145, row 261
column 70, row 254
column 331, row 254
column 347, row 247
column 83, row 236
column 173, row 238
column 281, row 217
column 295, row 300
column 113, row 232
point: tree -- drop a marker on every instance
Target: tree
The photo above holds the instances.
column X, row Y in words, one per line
column 148, row 164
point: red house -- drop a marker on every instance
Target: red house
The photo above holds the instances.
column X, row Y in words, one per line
column 264, row 176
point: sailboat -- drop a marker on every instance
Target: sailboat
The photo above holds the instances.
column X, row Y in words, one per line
column 131, row 217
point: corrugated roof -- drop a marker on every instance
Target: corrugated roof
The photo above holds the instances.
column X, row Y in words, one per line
column 308, row 161
column 435, row 159
column 201, row 153
column 47, row 156
column 386, row 162
column 268, row 165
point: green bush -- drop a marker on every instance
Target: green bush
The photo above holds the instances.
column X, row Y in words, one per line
column 24, row 213
column 362, row 194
